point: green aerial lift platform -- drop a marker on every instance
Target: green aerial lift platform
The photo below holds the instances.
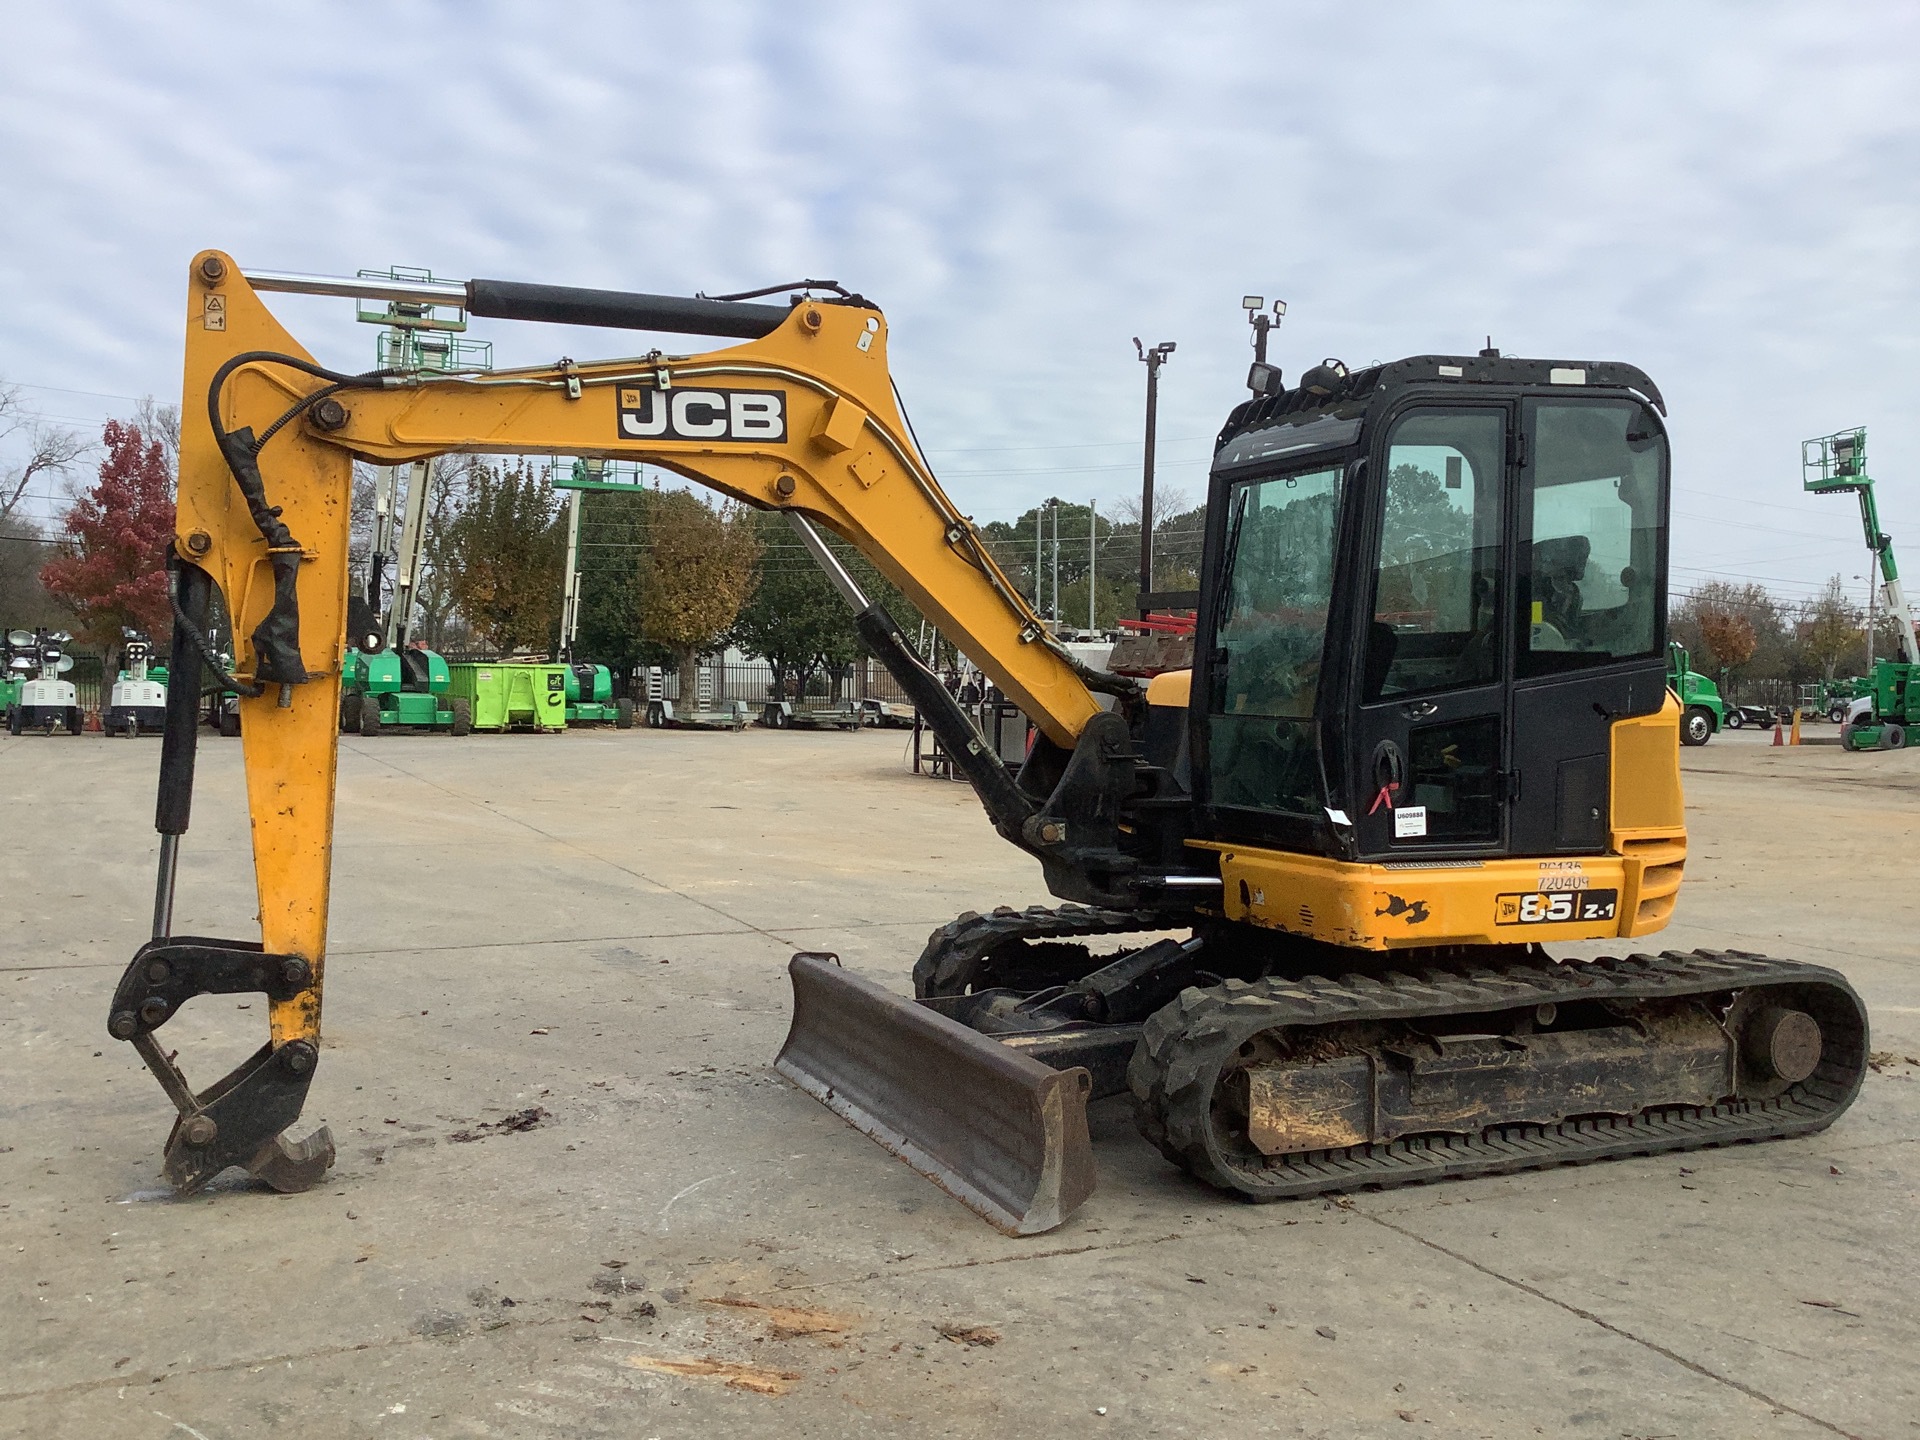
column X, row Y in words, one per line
column 1879, row 718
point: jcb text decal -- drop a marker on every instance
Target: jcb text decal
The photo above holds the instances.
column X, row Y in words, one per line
column 751, row 415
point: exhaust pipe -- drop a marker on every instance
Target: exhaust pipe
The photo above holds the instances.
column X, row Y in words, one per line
column 999, row 1131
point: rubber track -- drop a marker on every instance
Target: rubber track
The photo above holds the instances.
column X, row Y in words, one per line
column 955, row 953
column 1178, row 1063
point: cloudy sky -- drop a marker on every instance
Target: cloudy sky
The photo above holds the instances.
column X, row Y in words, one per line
column 1722, row 194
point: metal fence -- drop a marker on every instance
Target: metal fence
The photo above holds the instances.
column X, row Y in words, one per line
column 752, row 681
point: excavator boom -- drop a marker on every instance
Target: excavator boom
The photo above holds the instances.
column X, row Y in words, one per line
column 800, row 418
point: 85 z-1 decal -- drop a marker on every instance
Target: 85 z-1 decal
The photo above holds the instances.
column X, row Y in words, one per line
column 1554, row 907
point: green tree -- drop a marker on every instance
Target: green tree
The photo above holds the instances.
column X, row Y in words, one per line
column 613, row 527
column 1115, row 569
column 504, row 552
column 795, row 620
column 1776, row 654
column 695, row 576
column 1730, row 637
column 1830, row 629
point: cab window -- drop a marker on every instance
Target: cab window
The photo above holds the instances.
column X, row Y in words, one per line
column 1269, row 640
column 1437, row 586
column 1592, row 546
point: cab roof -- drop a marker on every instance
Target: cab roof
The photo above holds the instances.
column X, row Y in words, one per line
column 1349, row 395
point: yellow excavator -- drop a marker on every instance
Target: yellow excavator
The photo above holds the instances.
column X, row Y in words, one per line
column 1309, row 882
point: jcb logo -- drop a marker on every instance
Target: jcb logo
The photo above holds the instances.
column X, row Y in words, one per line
column 753, row 415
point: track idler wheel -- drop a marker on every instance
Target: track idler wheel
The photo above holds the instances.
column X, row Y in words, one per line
column 1782, row 1044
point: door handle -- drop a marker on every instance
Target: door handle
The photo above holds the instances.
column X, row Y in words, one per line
column 1419, row 709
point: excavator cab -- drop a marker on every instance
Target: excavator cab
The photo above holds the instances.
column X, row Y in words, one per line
column 1425, row 607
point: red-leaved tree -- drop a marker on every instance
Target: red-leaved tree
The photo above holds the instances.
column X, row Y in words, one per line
column 112, row 568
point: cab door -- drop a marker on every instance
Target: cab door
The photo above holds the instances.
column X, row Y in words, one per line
column 1589, row 505
column 1431, row 737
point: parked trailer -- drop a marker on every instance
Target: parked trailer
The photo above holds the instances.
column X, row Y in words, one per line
column 705, row 714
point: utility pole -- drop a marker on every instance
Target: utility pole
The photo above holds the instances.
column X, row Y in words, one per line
column 1093, row 559
column 1039, row 549
column 1054, row 505
column 1872, row 595
column 1153, row 359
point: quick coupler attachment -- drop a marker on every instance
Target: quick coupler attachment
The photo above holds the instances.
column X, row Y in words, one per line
column 999, row 1131
column 239, row 1120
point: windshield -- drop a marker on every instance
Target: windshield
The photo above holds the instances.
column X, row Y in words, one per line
column 1270, row 634
column 1593, row 564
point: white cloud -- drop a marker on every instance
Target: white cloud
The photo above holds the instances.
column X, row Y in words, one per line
column 1719, row 193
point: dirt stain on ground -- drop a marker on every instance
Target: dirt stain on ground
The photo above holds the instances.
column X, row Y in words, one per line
column 757, row 1379
column 785, row 1322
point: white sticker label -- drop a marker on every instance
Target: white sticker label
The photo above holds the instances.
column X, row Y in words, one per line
column 1410, row 822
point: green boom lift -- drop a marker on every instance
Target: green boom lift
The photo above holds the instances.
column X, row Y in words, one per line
column 1880, row 717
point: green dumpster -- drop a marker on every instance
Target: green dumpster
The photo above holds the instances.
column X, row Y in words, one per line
column 513, row 695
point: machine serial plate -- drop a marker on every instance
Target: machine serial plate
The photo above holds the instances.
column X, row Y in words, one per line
column 1544, row 907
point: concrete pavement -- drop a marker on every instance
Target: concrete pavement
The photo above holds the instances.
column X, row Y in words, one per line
column 595, row 925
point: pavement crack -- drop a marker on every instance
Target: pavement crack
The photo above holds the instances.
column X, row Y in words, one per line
column 255, row 1362
column 1705, row 1373
column 1053, row 1254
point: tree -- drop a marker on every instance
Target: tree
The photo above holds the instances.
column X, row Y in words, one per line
column 504, row 551
column 695, row 576
column 111, row 571
column 1729, row 636
column 1115, row 571
column 433, row 601
column 612, row 534
column 1776, row 653
column 1829, row 628
column 50, row 450
column 24, row 602
column 794, row 620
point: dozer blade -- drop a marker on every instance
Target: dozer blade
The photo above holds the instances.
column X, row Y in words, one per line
column 1002, row 1133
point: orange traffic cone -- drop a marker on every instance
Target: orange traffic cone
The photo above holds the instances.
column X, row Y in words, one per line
column 1778, row 729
